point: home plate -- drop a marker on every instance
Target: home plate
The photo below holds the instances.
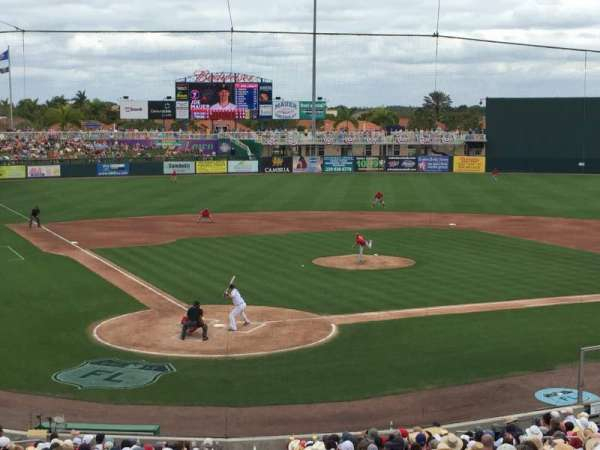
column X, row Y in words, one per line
column 219, row 325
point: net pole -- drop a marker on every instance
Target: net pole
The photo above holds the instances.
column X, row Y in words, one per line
column 313, row 124
column 580, row 377
column 437, row 46
column 24, row 65
column 10, row 100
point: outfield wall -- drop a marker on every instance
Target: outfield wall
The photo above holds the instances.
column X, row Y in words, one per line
column 543, row 134
column 270, row 165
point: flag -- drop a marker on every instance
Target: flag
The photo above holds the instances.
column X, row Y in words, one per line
column 4, row 68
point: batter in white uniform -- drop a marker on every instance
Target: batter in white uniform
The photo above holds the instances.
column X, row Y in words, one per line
column 239, row 307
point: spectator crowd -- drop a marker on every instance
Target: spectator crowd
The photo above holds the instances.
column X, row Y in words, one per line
column 53, row 145
column 552, row 431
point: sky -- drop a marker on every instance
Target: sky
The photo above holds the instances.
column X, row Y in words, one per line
column 354, row 71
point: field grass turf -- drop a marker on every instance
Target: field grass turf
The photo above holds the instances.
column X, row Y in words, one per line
column 49, row 301
column 527, row 194
column 452, row 267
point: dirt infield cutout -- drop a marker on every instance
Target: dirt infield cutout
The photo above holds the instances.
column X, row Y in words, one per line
column 273, row 329
column 369, row 262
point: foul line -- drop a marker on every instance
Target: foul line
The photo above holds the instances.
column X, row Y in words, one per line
column 21, row 258
column 104, row 261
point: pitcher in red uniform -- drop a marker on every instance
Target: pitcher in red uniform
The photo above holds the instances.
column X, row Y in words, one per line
column 361, row 243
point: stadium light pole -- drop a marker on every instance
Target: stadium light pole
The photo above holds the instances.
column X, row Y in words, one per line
column 313, row 124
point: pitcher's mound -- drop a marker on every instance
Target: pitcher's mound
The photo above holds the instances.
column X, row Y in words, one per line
column 369, row 262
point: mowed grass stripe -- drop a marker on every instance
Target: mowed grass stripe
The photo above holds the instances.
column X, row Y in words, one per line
column 520, row 194
column 452, row 267
column 407, row 355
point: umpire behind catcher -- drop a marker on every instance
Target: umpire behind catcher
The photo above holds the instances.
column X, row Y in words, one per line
column 194, row 320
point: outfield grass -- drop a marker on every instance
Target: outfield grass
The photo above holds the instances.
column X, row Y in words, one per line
column 48, row 301
column 452, row 267
column 527, row 194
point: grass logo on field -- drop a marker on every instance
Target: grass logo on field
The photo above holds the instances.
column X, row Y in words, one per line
column 113, row 374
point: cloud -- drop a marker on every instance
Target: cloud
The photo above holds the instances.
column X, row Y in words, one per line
column 351, row 70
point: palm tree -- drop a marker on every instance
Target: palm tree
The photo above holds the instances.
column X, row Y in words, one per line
column 383, row 117
column 4, row 107
column 58, row 100
column 344, row 115
column 63, row 115
column 437, row 101
column 80, row 99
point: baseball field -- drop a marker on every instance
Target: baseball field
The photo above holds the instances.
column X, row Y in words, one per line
column 525, row 237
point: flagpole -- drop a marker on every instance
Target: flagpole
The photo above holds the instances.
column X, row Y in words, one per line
column 12, row 125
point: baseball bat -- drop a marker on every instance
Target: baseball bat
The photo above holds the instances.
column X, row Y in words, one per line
column 230, row 283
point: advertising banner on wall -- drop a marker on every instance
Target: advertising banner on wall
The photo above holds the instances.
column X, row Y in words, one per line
column 183, row 167
column 219, row 166
column 133, row 109
column 181, row 91
column 276, row 164
column 469, row 164
column 370, row 164
column 265, row 101
column 182, row 110
column 433, row 163
column 286, row 110
column 333, row 164
column 104, row 170
column 12, row 171
column 401, row 164
column 305, row 110
column 242, row 166
column 307, row 164
column 159, row 109
column 43, row 171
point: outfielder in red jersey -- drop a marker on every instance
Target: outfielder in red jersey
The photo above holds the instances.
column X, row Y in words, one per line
column 378, row 200
column 361, row 243
column 174, row 175
column 205, row 216
column 495, row 174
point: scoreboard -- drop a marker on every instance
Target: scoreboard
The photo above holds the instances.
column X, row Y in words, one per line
column 224, row 101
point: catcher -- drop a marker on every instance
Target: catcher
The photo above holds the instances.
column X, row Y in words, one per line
column 192, row 321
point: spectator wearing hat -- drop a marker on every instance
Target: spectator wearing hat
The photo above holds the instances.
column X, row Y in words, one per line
column 5, row 443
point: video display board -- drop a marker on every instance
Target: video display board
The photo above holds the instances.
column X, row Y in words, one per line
column 228, row 101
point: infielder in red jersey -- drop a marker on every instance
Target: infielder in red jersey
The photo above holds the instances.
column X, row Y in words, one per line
column 361, row 242
column 378, row 200
column 205, row 216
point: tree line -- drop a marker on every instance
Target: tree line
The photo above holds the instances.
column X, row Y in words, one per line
column 65, row 112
